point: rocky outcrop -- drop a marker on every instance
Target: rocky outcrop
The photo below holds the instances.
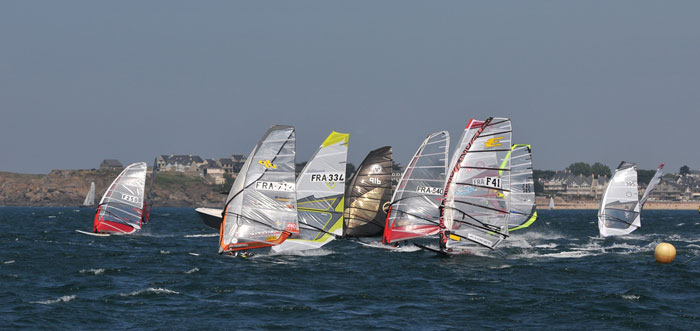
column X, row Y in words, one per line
column 69, row 187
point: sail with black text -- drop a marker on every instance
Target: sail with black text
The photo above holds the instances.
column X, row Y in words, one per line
column 261, row 208
column 368, row 195
column 620, row 207
column 523, row 210
column 415, row 206
column 476, row 201
column 320, row 190
column 121, row 209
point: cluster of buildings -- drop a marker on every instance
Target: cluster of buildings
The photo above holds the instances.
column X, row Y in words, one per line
column 673, row 187
column 213, row 171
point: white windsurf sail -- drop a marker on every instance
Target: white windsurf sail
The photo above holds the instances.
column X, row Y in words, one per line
column 523, row 210
column 320, row 191
column 415, row 206
column 476, row 201
column 121, row 207
column 619, row 208
column 90, row 197
column 261, row 208
column 551, row 203
column 652, row 185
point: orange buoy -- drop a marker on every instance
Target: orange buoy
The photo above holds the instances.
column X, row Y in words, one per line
column 665, row 253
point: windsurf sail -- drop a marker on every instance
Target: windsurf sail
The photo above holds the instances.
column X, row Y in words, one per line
column 415, row 206
column 368, row 196
column 90, row 197
column 551, row 203
column 149, row 195
column 476, row 202
column 619, row 208
column 121, row 207
column 523, row 210
column 652, row 185
column 320, row 192
column 261, row 208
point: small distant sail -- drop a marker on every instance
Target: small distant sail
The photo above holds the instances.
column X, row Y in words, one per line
column 121, row 207
column 523, row 209
column 551, row 203
column 90, row 197
column 320, row 190
column 415, row 207
column 368, row 196
column 652, row 185
column 476, row 202
column 619, row 208
column 261, row 208
column 149, row 195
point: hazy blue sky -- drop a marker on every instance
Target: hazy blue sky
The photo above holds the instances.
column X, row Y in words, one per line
column 581, row 80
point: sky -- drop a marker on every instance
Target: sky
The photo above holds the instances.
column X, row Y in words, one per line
column 591, row 81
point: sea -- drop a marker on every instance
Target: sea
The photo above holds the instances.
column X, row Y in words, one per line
column 557, row 274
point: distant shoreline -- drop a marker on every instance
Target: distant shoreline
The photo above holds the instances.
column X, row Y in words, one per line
column 594, row 205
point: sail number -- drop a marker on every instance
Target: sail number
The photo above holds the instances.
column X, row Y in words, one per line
column 328, row 177
column 274, row 186
column 488, row 181
column 130, row 198
column 429, row 190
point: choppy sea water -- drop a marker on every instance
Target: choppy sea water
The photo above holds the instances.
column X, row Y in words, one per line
column 556, row 274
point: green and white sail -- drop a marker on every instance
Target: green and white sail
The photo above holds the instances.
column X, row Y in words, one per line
column 320, row 192
column 523, row 210
column 476, row 205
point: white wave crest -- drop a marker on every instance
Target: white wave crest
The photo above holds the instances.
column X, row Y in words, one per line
column 193, row 254
column 93, row 271
column 9, row 262
column 64, row 298
column 630, row 297
column 156, row 290
column 164, row 252
column 201, row 235
column 307, row 252
column 193, row 270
